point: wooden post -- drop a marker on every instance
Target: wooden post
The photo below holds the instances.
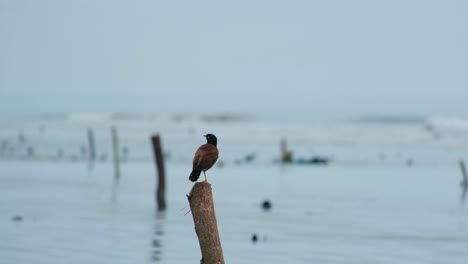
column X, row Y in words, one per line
column 464, row 182
column 92, row 146
column 204, row 218
column 286, row 155
column 463, row 169
column 161, row 187
column 115, row 148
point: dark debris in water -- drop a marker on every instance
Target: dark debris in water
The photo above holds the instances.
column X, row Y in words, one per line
column 254, row 238
column 17, row 218
column 266, row 205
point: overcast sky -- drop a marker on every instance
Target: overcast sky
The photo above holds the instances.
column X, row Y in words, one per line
column 383, row 57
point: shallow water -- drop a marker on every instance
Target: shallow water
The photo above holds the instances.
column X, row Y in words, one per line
column 362, row 208
column 326, row 215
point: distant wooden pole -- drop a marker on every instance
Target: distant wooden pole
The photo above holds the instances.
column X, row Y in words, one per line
column 161, row 188
column 115, row 148
column 464, row 182
column 204, row 218
column 463, row 169
column 92, row 145
column 286, row 155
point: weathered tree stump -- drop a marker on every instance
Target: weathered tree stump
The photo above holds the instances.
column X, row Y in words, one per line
column 204, row 218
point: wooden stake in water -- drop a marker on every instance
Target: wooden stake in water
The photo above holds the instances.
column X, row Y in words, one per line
column 116, row 154
column 92, row 146
column 286, row 155
column 204, row 218
column 464, row 182
column 159, row 158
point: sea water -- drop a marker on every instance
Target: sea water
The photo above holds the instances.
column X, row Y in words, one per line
column 390, row 192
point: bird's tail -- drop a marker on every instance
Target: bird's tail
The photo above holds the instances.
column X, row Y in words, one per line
column 195, row 175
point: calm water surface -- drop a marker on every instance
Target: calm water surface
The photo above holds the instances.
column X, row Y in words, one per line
column 367, row 206
column 321, row 215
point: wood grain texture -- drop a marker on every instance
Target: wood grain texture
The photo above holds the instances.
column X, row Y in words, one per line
column 204, row 218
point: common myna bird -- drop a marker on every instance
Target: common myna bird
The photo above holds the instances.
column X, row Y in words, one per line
column 205, row 157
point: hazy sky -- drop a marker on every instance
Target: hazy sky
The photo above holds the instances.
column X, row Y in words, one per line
column 382, row 57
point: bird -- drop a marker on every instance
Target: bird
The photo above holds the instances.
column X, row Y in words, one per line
column 205, row 157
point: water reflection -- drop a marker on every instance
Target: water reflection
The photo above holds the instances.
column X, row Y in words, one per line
column 156, row 241
column 464, row 190
column 115, row 191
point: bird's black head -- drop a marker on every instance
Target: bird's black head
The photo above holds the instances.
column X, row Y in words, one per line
column 211, row 139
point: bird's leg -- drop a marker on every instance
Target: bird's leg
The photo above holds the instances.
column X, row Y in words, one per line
column 204, row 174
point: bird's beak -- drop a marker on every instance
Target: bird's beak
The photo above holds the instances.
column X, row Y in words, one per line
column 204, row 135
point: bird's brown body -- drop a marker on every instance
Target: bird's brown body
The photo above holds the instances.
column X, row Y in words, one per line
column 205, row 157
